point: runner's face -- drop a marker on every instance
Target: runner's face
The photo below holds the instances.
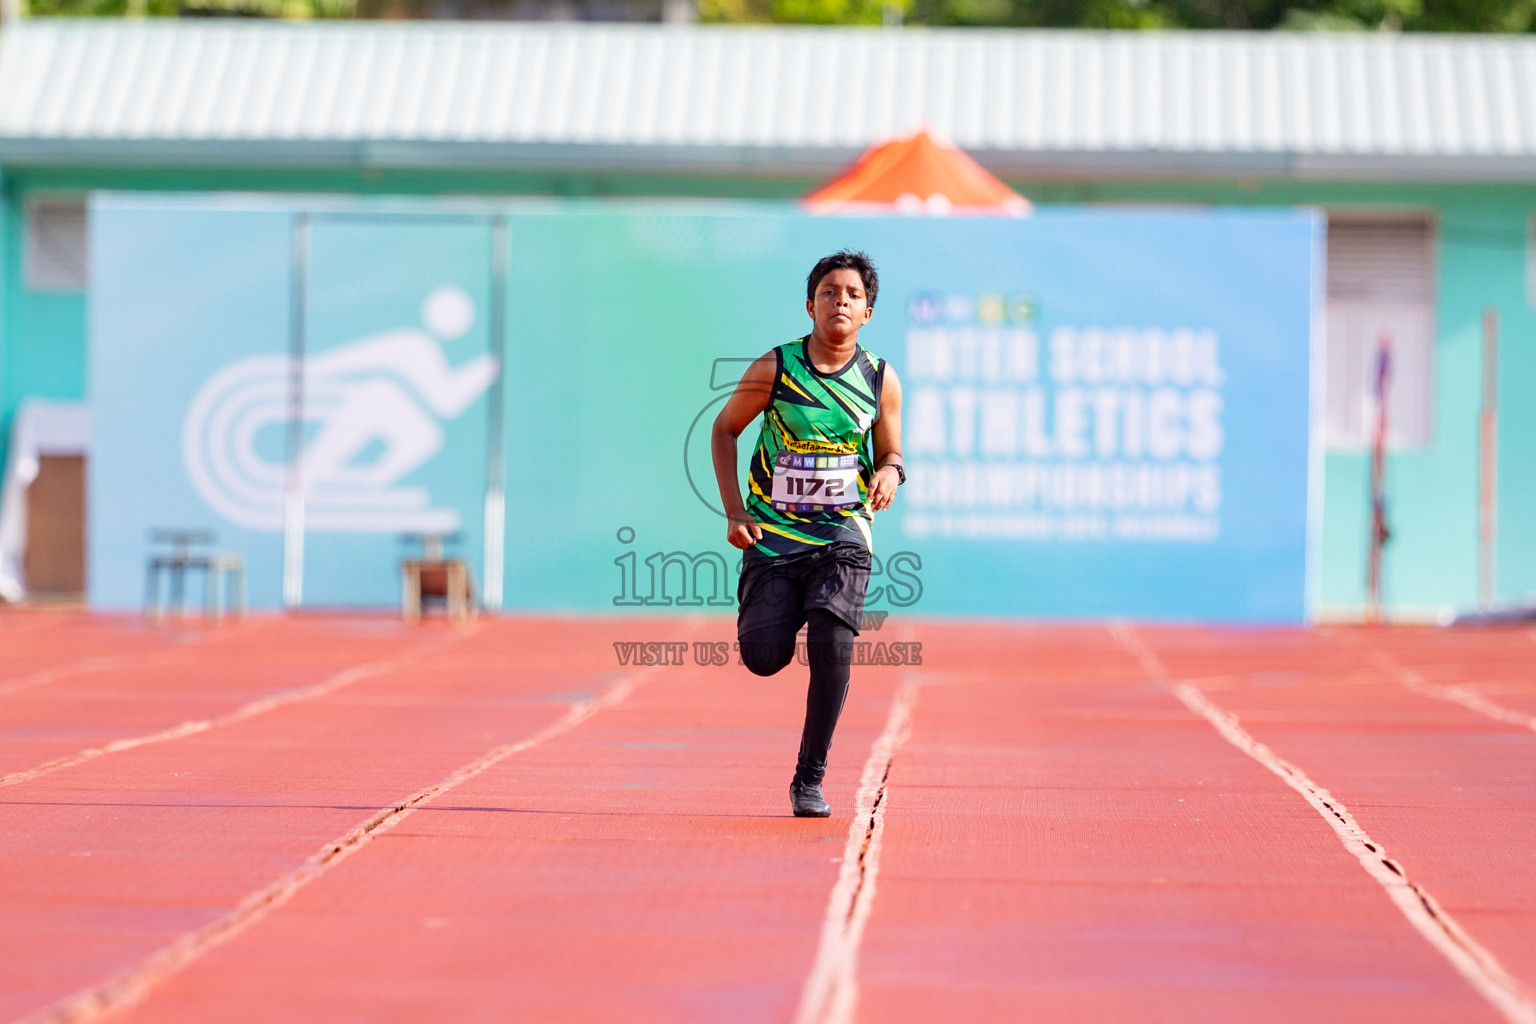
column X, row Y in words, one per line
column 840, row 306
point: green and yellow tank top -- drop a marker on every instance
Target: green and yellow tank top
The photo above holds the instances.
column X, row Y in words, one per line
column 814, row 458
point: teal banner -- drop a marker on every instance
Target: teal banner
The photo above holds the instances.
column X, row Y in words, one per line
column 1107, row 412
column 398, row 367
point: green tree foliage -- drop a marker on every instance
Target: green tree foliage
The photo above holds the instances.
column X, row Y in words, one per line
column 1298, row 15
column 801, row 12
column 1294, row 15
column 292, row 9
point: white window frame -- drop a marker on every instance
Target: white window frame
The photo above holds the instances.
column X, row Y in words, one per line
column 1355, row 320
column 50, row 272
column 1530, row 260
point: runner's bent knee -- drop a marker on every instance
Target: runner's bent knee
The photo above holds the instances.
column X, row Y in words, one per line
column 765, row 652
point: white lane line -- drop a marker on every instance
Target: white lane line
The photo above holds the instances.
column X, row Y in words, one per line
column 102, row 663
column 1129, row 640
column 131, row 987
column 48, row 675
column 831, row 990
column 330, row 684
column 1467, row 698
column 1479, row 967
column 1463, row 695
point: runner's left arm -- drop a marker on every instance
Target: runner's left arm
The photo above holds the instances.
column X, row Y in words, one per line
column 882, row 489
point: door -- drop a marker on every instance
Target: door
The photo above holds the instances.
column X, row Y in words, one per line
column 55, row 561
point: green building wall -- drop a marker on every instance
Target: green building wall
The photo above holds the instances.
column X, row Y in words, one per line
column 1431, row 562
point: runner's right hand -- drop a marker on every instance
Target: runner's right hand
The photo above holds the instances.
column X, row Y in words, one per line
column 743, row 532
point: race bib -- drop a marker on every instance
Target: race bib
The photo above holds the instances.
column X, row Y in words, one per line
column 815, row 483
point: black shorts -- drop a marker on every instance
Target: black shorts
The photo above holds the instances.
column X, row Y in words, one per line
column 777, row 590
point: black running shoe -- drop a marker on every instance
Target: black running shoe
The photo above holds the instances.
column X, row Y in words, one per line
column 806, row 799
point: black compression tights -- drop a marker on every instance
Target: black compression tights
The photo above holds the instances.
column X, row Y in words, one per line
column 829, row 649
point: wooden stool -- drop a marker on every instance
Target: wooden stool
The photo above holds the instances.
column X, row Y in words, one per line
column 436, row 576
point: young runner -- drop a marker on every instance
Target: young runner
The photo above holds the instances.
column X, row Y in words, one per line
column 828, row 457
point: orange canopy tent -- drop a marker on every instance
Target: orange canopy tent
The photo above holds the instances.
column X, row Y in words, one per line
column 918, row 175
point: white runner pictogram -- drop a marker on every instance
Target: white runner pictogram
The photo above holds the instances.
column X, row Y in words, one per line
column 373, row 412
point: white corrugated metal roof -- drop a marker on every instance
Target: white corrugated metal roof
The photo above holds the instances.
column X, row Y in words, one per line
column 708, row 98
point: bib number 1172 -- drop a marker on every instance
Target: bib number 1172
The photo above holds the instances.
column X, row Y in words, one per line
column 815, row 483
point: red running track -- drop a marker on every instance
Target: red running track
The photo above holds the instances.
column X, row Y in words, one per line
column 327, row 818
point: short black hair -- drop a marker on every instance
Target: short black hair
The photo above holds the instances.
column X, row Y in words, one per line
column 845, row 259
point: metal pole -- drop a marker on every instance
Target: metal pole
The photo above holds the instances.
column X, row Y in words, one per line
column 293, row 496
column 495, row 418
column 1488, row 467
column 1379, row 531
